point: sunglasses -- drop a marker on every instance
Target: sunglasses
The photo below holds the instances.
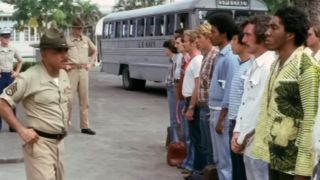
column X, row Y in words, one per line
column 6, row 36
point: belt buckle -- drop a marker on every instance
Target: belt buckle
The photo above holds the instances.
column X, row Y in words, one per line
column 79, row 66
column 61, row 136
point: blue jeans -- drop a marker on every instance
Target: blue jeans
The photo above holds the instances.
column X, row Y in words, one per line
column 195, row 136
column 171, row 97
column 188, row 161
column 5, row 81
column 238, row 168
column 221, row 147
column 204, row 113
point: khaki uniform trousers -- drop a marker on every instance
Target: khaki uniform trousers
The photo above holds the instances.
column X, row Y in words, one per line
column 44, row 159
column 79, row 81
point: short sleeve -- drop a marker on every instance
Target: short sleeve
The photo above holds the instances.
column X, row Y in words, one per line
column 15, row 92
column 17, row 55
column 92, row 47
column 197, row 66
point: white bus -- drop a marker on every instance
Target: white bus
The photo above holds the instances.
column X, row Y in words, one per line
column 131, row 42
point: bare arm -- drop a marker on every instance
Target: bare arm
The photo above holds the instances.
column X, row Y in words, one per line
column 27, row 135
column 193, row 101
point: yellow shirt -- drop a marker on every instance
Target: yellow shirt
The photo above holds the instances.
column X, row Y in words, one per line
column 81, row 49
column 287, row 116
column 7, row 58
column 45, row 101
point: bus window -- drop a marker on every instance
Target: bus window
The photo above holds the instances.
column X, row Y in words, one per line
column 111, row 30
column 118, row 29
column 132, row 28
column 159, row 26
column 106, row 30
column 183, row 21
column 170, row 24
column 140, row 27
column 124, row 28
column 150, row 26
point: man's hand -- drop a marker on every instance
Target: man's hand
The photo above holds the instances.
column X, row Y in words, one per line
column 236, row 148
column 88, row 66
column 220, row 126
column 14, row 74
column 29, row 136
column 67, row 67
column 189, row 114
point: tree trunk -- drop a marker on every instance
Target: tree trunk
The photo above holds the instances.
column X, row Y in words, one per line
column 311, row 7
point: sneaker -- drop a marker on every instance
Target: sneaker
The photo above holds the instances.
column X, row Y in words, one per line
column 88, row 131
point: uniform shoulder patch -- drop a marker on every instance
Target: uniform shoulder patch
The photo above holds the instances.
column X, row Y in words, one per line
column 12, row 89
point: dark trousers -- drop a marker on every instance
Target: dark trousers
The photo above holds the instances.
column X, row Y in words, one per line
column 5, row 81
column 195, row 136
column 238, row 168
column 276, row 175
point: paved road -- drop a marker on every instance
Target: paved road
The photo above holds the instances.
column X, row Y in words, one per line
column 130, row 140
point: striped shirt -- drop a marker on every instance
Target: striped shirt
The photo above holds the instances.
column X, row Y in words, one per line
column 236, row 90
column 207, row 67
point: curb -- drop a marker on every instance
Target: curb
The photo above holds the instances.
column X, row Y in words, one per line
column 11, row 160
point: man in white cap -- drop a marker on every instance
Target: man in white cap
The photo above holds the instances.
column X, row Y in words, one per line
column 8, row 55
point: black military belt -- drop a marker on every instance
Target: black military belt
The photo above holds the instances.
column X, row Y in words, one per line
column 51, row 136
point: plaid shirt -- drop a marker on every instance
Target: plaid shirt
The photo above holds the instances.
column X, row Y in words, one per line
column 207, row 67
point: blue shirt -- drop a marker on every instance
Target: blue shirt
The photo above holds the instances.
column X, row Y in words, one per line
column 236, row 91
column 222, row 76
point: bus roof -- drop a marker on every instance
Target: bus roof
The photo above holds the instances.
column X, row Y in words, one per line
column 256, row 5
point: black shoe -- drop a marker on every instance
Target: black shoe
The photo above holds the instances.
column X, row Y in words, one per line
column 88, row 131
column 12, row 130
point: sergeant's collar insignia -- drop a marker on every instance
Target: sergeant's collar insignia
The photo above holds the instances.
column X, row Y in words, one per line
column 12, row 89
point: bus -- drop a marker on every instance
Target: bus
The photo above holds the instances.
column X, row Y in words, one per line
column 131, row 41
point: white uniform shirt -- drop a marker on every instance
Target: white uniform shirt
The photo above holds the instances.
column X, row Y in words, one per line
column 192, row 72
column 8, row 55
column 254, row 84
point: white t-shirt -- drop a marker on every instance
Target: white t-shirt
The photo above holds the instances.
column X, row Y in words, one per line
column 192, row 72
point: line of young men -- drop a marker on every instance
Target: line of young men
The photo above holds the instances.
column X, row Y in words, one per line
column 264, row 99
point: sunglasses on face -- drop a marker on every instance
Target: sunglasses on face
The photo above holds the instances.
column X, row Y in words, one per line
column 5, row 36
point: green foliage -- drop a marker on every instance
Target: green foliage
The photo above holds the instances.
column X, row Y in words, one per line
column 25, row 65
column 58, row 12
column 274, row 5
column 123, row 5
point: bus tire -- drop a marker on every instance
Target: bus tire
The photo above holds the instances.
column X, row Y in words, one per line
column 131, row 83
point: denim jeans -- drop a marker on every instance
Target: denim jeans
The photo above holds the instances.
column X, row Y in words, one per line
column 204, row 113
column 238, row 168
column 171, row 97
column 188, row 161
column 195, row 136
column 221, row 147
column 5, row 81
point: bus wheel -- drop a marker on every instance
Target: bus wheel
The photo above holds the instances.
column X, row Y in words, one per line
column 131, row 83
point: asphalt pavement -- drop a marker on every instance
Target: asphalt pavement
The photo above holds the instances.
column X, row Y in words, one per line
column 130, row 140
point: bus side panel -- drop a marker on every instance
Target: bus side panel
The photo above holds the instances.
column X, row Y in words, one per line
column 144, row 58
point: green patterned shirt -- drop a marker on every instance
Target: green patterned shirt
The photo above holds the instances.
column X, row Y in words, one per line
column 288, row 113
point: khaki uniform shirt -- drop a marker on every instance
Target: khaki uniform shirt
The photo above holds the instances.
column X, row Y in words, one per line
column 7, row 56
column 81, row 50
column 45, row 101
